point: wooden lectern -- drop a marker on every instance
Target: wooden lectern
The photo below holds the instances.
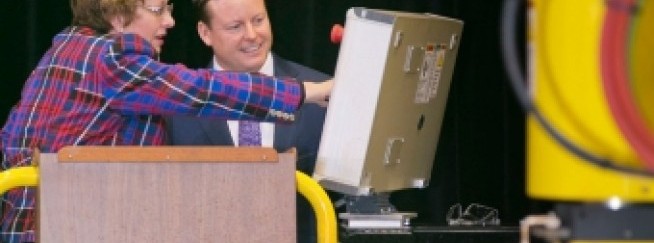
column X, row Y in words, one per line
column 166, row 194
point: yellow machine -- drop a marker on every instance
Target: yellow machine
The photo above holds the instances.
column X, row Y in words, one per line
column 591, row 74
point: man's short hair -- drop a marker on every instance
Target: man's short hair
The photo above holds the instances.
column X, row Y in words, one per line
column 201, row 14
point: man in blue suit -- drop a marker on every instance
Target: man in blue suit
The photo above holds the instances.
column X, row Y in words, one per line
column 303, row 134
column 239, row 33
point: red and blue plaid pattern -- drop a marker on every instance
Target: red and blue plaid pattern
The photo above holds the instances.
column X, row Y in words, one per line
column 91, row 89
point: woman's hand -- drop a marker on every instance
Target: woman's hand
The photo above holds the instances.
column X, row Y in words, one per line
column 318, row 92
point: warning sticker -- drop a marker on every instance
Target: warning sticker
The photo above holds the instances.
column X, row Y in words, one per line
column 430, row 73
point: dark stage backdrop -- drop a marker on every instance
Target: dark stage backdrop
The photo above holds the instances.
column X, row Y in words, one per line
column 480, row 155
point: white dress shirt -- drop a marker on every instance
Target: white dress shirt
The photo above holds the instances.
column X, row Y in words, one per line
column 267, row 128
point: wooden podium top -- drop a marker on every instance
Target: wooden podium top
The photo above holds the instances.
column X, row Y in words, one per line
column 130, row 154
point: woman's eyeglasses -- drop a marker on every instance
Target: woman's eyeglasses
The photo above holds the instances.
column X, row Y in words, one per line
column 159, row 10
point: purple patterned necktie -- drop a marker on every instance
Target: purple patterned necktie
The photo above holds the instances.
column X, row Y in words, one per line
column 249, row 133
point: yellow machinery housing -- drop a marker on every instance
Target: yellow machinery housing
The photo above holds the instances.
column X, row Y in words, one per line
column 569, row 93
column 567, row 76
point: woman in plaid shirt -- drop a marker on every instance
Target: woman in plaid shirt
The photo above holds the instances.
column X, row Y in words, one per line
column 100, row 83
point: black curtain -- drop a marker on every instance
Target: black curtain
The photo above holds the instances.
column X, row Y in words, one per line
column 480, row 156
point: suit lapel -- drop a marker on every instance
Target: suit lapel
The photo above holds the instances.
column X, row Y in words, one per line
column 283, row 69
column 284, row 133
column 217, row 131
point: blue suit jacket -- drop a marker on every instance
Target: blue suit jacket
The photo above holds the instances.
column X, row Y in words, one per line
column 303, row 134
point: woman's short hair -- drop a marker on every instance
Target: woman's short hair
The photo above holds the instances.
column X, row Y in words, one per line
column 98, row 13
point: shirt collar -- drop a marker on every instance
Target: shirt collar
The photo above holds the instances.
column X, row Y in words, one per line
column 267, row 68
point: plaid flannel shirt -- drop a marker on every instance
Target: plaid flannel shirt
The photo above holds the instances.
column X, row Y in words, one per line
column 92, row 89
